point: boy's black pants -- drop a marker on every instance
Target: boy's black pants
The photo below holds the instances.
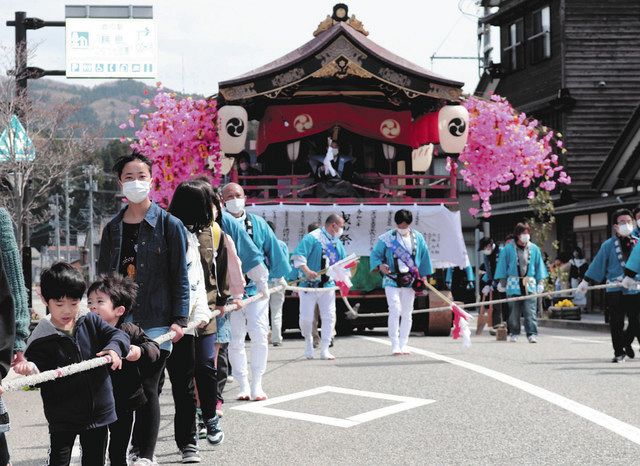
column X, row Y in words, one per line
column 92, row 441
column 119, row 440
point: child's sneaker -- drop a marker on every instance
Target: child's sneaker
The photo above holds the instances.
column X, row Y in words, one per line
column 190, row 454
column 215, row 436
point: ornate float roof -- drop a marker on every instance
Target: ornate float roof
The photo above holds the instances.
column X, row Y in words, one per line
column 340, row 64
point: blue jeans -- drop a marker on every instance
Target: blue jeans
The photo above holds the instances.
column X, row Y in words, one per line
column 527, row 309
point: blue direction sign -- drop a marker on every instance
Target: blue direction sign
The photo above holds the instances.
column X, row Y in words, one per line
column 15, row 144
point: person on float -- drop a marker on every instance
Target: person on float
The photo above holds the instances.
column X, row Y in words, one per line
column 318, row 250
column 402, row 256
column 636, row 222
column 254, row 318
column 615, row 261
column 521, row 271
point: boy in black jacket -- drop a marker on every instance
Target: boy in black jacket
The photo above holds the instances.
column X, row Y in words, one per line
column 80, row 404
column 112, row 297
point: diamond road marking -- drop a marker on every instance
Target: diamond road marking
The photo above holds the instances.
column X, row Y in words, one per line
column 404, row 403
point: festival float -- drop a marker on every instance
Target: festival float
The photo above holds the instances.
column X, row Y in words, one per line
column 389, row 116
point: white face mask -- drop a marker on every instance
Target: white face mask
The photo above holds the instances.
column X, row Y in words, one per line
column 403, row 231
column 215, row 214
column 339, row 232
column 334, row 151
column 524, row 238
column 235, row 206
column 136, row 191
column 487, row 251
column 625, row 229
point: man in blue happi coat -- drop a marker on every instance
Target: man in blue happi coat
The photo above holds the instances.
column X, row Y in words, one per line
column 253, row 318
column 521, row 271
column 614, row 262
column 318, row 250
column 402, row 256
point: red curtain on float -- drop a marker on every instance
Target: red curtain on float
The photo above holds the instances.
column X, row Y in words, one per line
column 290, row 122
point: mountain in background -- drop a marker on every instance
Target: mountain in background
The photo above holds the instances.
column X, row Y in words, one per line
column 101, row 107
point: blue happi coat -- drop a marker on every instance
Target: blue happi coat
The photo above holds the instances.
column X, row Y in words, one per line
column 310, row 252
column 608, row 266
column 468, row 270
column 383, row 254
column 507, row 268
column 263, row 237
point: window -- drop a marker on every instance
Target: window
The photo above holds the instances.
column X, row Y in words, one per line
column 540, row 40
column 514, row 51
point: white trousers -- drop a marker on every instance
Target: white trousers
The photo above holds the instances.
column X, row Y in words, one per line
column 400, row 301
column 276, row 300
column 326, row 302
column 253, row 318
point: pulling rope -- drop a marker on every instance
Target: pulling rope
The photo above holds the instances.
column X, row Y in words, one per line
column 495, row 301
column 47, row 376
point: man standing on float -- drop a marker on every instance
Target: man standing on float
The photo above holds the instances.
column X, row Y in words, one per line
column 318, row 250
column 402, row 256
column 254, row 318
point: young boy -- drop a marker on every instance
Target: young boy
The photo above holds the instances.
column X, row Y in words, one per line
column 80, row 404
column 111, row 297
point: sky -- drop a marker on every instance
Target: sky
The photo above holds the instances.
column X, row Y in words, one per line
column 202, row 42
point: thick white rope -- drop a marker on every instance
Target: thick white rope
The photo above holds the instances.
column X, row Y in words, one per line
column 496, row 301
column 47, row 376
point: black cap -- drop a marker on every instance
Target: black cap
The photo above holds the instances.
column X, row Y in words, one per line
column 484, row 242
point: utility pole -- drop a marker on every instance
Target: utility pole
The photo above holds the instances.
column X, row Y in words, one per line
column 91, row 186
column 67, row 214
column 56, row 220
column 22, row 73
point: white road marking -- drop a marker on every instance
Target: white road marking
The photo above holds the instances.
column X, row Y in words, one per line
column 617, row 426
column 586, row 340
column 404, row 403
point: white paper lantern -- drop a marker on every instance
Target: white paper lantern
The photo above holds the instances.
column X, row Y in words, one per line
column 293, row 150
column 232, row 128
column 453, row 128
column 389, row 151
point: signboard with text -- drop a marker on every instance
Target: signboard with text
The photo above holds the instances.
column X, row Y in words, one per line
column 111, row 48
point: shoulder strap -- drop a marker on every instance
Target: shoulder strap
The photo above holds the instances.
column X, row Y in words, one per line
column 216, row 235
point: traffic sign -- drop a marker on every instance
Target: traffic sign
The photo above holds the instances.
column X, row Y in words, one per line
column 15, row 144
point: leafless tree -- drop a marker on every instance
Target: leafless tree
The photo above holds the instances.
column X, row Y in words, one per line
column 59, row 148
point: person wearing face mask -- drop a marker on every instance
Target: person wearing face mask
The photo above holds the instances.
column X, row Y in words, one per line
column 149, row 245
column 316, row 251
column 613, row 263
column 636, row 222
column 578, row 268
column 254, row 318
column 402, row 256
column 521, row 271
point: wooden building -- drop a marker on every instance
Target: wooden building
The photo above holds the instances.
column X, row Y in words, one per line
column 574, row 65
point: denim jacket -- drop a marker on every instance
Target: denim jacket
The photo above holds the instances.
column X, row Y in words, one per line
column 161, row 264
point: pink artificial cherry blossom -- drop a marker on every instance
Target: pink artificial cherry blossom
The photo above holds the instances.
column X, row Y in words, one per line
column 505, row 148
column 180, row 137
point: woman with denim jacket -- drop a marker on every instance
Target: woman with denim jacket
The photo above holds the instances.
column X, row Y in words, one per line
column 149, row 245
